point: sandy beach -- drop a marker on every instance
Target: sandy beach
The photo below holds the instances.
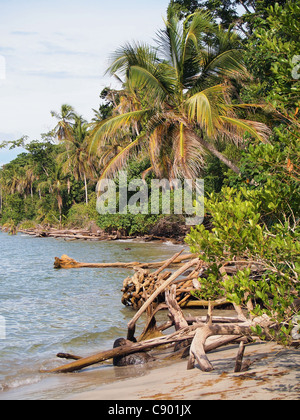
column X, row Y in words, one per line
column 274, row 375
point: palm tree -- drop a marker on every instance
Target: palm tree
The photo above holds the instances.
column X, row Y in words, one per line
column 75, row 158
column 63, row 129
column 177, row 98
column 54, row 185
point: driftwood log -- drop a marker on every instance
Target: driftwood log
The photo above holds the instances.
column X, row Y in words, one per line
column 68, row 263
column 178, row 336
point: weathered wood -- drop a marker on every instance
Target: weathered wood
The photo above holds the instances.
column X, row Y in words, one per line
column 176, row 337
column 166, row 264
column 239, row 357
column 121, row 351
column 68, row 263
column 198, row 303
column 197, row 351
column 68, row 356
column 151, row 330
column 175, row 312
column 174, row 276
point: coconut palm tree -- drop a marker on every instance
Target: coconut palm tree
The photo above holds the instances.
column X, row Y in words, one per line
column 177, row 98
column 63, row 129
column 75, row 159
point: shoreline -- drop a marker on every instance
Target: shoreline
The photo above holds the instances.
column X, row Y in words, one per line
column 90, row 235
column 274, row 375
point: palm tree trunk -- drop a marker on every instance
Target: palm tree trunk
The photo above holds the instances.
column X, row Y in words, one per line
column 86, row 191
column 219, row 155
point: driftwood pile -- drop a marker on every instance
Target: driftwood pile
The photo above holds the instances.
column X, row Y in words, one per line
column 193, row 336
column 137, row 288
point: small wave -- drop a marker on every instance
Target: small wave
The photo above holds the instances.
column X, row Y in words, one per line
column 18, row 382
column 111, row 333
column 169, row 243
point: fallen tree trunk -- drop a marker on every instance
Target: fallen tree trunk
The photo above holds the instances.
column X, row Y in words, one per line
column 197, row 350
column 67, row 263
column 120, row 351
column 176, row 337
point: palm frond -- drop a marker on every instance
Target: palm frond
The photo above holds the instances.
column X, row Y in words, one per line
column 188, row 154
column 203, row 107
column 226, row 64
column 135, row 54
column 142, row 78
column 119, row 160
column 195, row 26
column 154, row 145
column 240, row 127
column 110, row 127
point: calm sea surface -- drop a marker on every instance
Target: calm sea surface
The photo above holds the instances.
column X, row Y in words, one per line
column 46, row 311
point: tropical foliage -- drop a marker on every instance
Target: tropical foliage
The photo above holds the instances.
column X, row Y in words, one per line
column 216, row 96
column 176, row 103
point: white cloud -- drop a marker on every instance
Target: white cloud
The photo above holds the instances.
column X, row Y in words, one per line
column 56, row 52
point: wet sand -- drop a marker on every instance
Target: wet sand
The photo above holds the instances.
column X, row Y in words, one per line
column 274, row 375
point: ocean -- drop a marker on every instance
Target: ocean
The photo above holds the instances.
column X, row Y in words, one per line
column 44, row 311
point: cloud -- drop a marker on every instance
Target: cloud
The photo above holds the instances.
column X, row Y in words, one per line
column 57, row 52
column 60, row 74
column 24, row 33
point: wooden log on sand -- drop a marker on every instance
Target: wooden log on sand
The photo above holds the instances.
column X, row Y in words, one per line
column 197, row 350
column 120, row 351
column 176, row 337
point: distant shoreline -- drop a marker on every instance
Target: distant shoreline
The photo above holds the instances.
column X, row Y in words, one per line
column 88, row 235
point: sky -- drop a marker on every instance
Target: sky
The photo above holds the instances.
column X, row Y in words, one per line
column 54, row 52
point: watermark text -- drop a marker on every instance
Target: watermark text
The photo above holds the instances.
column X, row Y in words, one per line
column 162, row 196
column 296, row 69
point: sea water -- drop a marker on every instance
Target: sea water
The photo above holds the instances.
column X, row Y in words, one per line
column 44, row 311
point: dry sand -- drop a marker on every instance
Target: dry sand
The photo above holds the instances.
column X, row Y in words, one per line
column 275, row 375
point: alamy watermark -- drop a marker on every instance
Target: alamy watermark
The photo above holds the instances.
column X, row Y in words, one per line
column 2, row 328
column 2, row 67
column 296, row 329
column 175, row 196
column 296, row 69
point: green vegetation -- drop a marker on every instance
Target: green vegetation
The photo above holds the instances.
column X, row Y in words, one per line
column 216, row 96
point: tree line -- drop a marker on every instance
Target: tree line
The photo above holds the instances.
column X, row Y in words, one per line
column 216, row 83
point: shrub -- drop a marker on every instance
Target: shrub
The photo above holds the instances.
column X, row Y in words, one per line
column 240, row 236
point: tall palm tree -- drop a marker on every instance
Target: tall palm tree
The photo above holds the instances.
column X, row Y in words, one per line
column 63, row 129
column 75, row 159
column 177, row 96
